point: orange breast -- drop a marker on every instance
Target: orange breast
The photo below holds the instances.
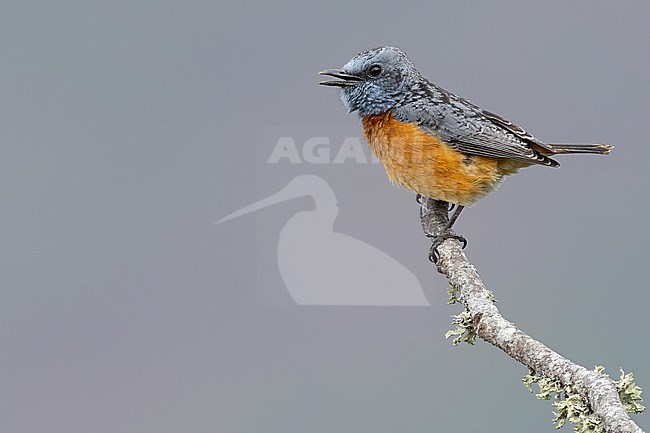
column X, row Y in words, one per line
column 425, row 164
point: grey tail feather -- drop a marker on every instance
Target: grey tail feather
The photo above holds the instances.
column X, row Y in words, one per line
column 560, row 148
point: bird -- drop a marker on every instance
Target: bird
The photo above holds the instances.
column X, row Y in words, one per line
column 433, row 142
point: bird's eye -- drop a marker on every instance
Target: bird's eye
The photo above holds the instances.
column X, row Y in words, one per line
column 374, row 71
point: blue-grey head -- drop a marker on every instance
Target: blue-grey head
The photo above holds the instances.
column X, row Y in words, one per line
column 374, row 81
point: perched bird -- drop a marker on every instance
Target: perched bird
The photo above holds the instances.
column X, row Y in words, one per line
column 431, row 141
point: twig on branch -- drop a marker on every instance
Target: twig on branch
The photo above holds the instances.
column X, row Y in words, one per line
column 598, row 389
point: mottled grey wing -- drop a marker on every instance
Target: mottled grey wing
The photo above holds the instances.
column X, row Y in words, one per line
column 491, row 141
column 517, row 130
column 469, row 129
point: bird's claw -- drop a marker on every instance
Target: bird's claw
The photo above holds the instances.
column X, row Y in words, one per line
column 438, row 240
column 419, row 198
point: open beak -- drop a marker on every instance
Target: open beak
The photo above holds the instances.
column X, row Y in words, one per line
column 347, row 80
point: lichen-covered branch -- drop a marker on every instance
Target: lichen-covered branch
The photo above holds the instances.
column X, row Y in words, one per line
column 595, row 387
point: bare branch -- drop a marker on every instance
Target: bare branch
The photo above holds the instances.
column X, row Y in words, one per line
column 598, row 389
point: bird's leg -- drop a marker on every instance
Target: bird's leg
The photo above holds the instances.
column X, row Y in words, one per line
column 447, row 233
column 454, row 217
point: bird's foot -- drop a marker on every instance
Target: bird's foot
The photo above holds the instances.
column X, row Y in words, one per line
column 438, row 240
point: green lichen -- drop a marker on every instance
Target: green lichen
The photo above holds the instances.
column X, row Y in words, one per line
column 629, row 393
column 571, row 406
column 464, row 331
column 454, row 294
column 575, row 409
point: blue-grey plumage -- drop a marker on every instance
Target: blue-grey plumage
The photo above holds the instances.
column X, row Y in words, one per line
column 431, row 141
column 384, row 80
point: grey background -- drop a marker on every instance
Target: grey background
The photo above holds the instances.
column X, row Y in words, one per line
column 128, row 128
